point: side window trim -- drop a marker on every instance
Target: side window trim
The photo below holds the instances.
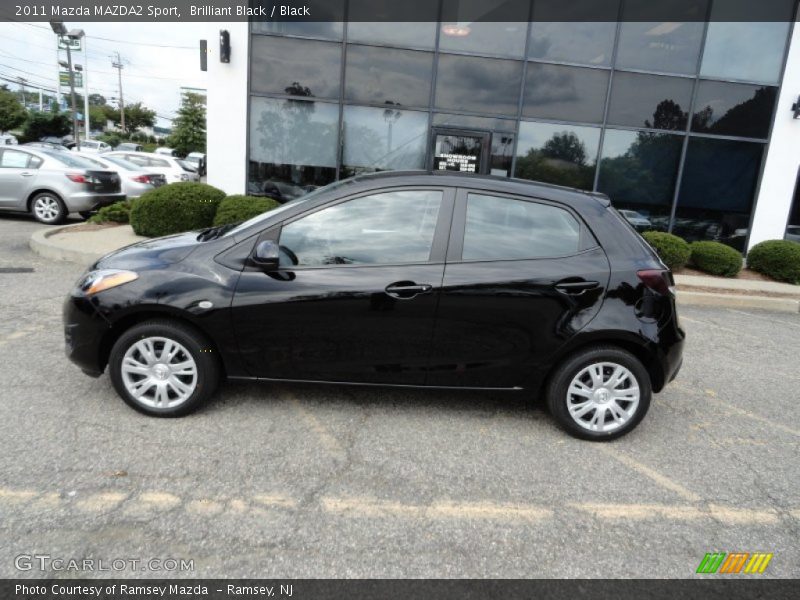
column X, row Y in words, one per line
column 441, row 236
column 459, row 224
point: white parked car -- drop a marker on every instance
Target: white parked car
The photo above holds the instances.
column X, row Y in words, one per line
column 638, row 220
column 165, row 151
column 136, row 180
column 92, row 147
column 159, row 163
column 7, row 139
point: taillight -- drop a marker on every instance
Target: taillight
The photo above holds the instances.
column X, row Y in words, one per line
column 658, row 280
column 81, row 178
column 141, row 179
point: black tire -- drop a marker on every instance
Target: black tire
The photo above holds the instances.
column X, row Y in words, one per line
column 558, row 386
column 197, row 346
column 55, row 207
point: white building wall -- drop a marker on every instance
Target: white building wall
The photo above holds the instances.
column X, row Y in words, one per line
column 227, row 109
column 774, row 199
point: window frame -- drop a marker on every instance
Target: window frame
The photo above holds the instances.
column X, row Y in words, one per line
column 441, row 232
column 586, row 239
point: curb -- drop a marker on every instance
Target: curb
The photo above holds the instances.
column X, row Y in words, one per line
column 786, row 305
column 43, row 247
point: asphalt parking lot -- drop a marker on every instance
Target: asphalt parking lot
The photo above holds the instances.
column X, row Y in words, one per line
column 306, row 481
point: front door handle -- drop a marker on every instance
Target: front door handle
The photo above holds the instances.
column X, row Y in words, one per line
column 404, row 290
column 575, row 288
column 26, row 174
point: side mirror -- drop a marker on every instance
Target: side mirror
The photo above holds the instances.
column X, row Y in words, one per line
column 267, row 254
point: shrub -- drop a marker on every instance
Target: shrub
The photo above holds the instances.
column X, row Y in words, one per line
column 779, row 259
column 175, row 208
column 119, row 212
column 234, row 209
column 671, row 249
column 716, row 258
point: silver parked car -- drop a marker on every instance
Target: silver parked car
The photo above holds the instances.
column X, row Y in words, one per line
column 136, row 180
column 158, row 163
column 51, row 184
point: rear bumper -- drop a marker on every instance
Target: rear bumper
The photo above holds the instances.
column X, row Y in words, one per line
column 90, row 201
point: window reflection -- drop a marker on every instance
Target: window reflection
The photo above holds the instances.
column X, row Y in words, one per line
column 747, row 51
column 389, row 228
column 565, row 93
column 329, row 12
column 557, row 154
column 650, row 101
column 717, row 189
column 485, row 85
column 291, row 142
column 388, row 76
column 507, row 229
column 484, row 27
column 668, row 47
column 637, row 171
column 296, row 67
column 383, row 138
column 733, row 109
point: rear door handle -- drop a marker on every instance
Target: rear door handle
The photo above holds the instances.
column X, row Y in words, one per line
column 575, row 288
column 403, row 290
column 26, row 174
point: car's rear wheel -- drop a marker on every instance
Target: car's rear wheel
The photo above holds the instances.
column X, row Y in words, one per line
column 48, row 208
column 600, row 393
column 164, row 368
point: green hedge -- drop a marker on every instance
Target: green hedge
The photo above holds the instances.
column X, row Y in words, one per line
column 119, row 212
column 716, row 258
column 235, row 209
column 175, row 208
column 779, row 259
column 671, row 249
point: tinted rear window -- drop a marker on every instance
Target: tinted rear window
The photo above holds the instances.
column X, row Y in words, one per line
column 70, row 160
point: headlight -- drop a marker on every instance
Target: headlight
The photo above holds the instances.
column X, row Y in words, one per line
column 104, row 279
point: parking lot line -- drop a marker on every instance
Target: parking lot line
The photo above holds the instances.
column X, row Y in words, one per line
column 651, row 474
column 325, row 437
column 372, row 507
column 714, row 399
column 642, row 512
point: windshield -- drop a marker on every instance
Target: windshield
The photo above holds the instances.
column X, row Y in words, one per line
column 294, row 202
column 70, row 160
column 187, row 166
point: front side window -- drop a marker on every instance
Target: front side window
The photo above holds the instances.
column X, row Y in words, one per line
column 14, row 159
column 386, row 228
column 508, row 229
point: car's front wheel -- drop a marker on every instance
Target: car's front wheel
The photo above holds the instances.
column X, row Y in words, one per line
column 164, row 368
column 48, row 208
column 600, row 393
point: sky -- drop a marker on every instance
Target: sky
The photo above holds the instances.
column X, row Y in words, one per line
column 154, row 68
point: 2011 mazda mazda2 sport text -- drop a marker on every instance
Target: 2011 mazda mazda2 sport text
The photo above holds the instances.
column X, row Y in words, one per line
column 400, row 278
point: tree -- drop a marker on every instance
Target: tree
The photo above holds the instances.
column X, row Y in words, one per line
column 565, row 146
column 97, row 116
column 40, row 125
column 12, row 113
column 189, row 128
column 97, row 100
column 136, row 116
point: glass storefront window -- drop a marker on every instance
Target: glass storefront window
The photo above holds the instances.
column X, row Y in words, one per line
column 330, row 15
column 297, row 67
column 377, row 139
column 733, row 109
column 717, row 190
column 410, row 25
column 484, row 27
column 747, row 51
column 665, row 47
column 482, row 85
column 502, row 146
column 560, row 154
column 388, row 76
column 578, row 31
column 291, row 141
column 565, row 93
column 638, row 171
column 651, row 101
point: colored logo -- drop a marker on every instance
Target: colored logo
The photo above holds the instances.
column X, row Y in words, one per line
column 734, row 563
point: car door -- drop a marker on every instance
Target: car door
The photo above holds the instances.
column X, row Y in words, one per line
column 18, row 171
column 522, row 277
column 355, row 295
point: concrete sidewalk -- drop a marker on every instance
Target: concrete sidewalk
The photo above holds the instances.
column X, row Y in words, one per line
column 85, row 247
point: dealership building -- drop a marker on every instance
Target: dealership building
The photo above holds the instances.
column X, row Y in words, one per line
column 687, row 125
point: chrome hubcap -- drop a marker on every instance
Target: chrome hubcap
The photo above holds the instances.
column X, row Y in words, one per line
column 159, row 372
column 46, row 208
column 603, row 397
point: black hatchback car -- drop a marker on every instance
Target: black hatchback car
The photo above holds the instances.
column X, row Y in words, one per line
column 403, row 279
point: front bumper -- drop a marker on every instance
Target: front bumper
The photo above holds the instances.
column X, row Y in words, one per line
column 84, row 329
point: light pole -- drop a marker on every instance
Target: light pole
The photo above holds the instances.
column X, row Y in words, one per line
column 76, row 34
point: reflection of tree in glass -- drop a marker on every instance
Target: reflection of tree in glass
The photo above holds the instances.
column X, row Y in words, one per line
column 668, row 115
column 298, row 90
column 748, row 119
column 562, row 160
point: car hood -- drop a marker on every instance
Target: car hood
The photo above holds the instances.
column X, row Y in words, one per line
column 151, row 254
